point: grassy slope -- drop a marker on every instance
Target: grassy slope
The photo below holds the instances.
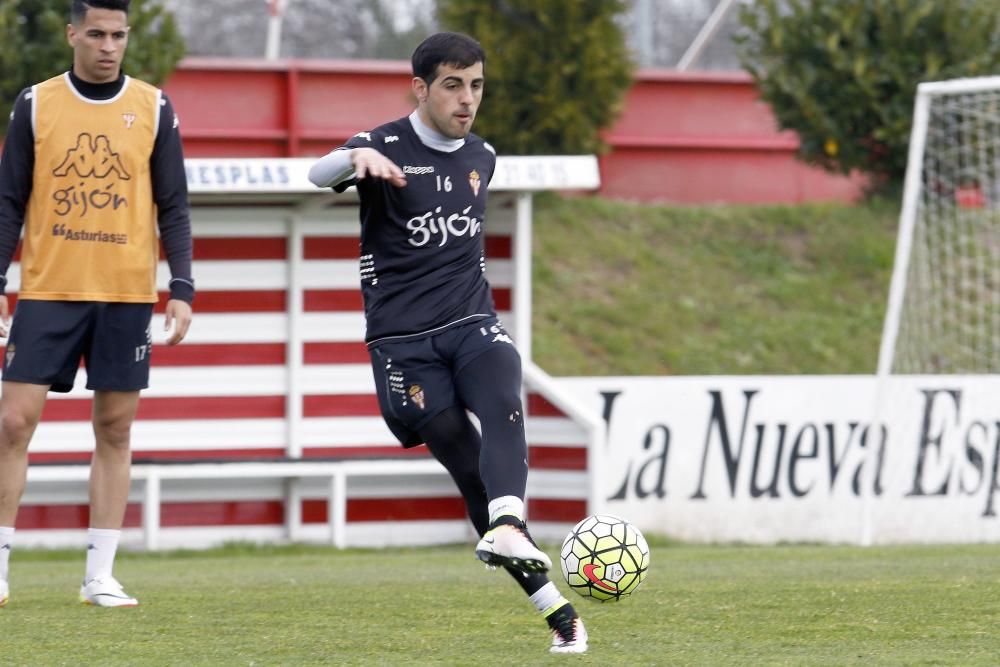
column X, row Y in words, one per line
column 737, row 605
column 655, row 290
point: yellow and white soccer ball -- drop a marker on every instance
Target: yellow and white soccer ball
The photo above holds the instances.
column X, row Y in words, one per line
column 604, row 557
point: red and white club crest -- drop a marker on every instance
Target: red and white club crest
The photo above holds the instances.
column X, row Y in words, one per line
column 417, row 394
column 474, row 181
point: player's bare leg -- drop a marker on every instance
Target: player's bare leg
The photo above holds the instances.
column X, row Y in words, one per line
column 113, row 414
column 20, row 409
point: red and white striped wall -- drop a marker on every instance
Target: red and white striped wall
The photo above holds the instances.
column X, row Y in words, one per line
column 275, row 367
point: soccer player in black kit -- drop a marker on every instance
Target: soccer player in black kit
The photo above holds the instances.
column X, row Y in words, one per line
column 437, row 347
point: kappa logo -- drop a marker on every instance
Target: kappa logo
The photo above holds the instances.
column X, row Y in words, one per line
column 475, row 182
column 367, row 136
column 129, row 118
column 410, row 169
column 499, row 335
column 389, row 140
column 92, row 156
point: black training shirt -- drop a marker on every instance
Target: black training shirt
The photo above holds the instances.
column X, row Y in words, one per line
column 422, row 253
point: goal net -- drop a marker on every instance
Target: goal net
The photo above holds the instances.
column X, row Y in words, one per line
column 944, row 310
column 937, row 395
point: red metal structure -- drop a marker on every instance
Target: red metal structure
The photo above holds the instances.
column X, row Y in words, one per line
column 682, row 137
column 706, row 137
column 289, row 108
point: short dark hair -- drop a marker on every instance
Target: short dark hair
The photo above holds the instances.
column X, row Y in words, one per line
column 78, row 12
column 447, row 48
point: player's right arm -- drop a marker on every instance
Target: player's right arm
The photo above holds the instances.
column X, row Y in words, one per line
column 354, row 163
column 368, row 162
column 16, row 168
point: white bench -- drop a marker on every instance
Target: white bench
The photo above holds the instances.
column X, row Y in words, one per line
column 336, row 472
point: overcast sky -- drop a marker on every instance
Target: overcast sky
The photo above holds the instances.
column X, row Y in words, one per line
column 390, row 28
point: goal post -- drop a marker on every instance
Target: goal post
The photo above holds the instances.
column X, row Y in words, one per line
column 943, row 314
column 937, row 383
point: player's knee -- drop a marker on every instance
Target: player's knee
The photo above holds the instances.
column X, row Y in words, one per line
column 508, row 408
column 448, row 427
column 113, row 432
column 16, row 428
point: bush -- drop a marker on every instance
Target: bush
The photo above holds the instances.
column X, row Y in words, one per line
column 556, row 71
column 33, row 44
column 843, row 74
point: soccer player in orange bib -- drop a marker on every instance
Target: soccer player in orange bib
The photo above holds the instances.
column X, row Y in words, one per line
column 92, row 166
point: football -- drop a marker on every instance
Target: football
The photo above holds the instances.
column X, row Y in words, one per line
column 604, row 558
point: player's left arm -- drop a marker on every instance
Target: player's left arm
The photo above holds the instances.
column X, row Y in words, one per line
column 492, row 154
column 174, row 220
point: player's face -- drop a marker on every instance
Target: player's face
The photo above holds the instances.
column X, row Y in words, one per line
column 450, row 103
column 99, row 44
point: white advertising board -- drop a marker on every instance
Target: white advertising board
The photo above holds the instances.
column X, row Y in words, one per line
column 771, row 459
column 291, row 175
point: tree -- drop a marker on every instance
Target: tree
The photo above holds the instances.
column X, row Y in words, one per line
column 33, row 44
column 843, row 74
column 556, row 71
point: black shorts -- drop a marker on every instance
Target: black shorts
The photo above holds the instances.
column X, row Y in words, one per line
column 48, row 339
column 414, row 380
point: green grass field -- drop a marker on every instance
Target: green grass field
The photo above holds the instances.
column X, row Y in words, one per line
column 701, row 605
column 628, row 289
column 657, row 290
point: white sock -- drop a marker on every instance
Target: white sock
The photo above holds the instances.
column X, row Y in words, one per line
column 548, row 598
column 506, row 505
column 6, row 544
column 101, row 547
